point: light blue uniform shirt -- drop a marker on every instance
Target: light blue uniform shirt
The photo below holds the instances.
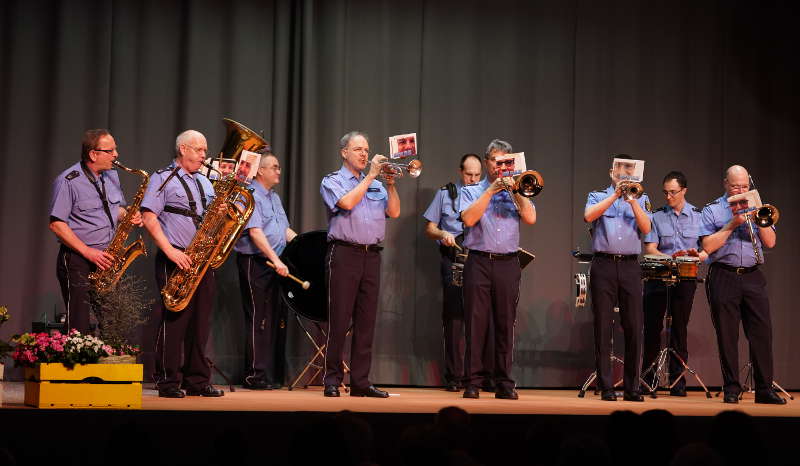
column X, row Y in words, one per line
column 445, row 212
column 497, row 231
column 738, row 249
column 179, row 229
column 615, row 232
column 76, row 202
column 270, row 217
column 675, row 232
column 365, row 223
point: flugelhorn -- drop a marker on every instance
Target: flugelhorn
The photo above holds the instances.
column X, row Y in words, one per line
column 631, row 189
column 413, row 167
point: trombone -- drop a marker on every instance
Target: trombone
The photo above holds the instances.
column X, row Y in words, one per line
column 763, row 216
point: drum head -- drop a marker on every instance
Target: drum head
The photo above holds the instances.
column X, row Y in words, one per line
column 305, row 257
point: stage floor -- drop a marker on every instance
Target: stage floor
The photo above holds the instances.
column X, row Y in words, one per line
column 431, row 400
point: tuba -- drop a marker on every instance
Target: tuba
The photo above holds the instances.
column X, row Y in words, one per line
column 222, row 224
column 104, row 280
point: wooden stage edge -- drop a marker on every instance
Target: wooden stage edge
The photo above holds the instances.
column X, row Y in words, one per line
column 430, row 400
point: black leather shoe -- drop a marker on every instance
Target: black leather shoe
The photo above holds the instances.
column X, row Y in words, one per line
column 452, row 387
column 732, row 398
column 332, row 391
column 677, row 391
column 370, row 392
column 632, row 396
column 770, row 398
column 504, row 394
column 275, row 386
column 208, row 390
column 174, row 392
column 256, row 385
column 472, row 392
column 609, row 395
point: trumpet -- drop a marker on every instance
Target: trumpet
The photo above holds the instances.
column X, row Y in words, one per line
column 527, row 184
column 413, row 167
column 631, row 189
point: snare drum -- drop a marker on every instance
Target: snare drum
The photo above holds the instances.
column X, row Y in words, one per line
column 657, row 267
column 687, row 267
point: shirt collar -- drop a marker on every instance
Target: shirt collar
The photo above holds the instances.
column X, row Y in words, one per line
column 345, row 173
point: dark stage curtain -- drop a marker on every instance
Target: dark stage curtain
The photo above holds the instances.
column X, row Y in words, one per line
column 688, row 85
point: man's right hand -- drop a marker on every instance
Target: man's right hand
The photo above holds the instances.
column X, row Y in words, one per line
column 448, row 239
column 499, row 184
column 376, row 165
column 179, row 258
column 737, row 220
column 99, row 258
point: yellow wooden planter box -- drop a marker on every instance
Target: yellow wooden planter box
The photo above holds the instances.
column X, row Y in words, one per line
column 116, row 386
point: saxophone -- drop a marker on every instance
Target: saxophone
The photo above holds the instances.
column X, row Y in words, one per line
column 104, row 280
column 222, row 225
column 213, row 242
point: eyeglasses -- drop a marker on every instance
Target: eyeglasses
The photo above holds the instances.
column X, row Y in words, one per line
column 201, row 150
column 672, row 193
column 509, row 162
column 741, row 187
column 107, row 151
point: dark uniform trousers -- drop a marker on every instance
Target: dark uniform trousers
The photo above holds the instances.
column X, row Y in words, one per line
column 182, row 336
column 261, row 305
column 681, row 297
column 72, row 271
column 452, row 323
column 741, row 297
column 615, row 281
column 491, row 293
column 354, row 278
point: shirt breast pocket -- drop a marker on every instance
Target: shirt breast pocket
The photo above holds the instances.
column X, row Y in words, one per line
column 89, row 205
column 376, row 203
column 114, row 199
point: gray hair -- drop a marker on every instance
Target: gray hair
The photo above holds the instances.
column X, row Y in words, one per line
column 345, row 140
column 185, row 138
column 498, row 145
column 264, row 157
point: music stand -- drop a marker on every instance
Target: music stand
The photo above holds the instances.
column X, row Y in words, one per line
column 614, row 360
column 749, row 383
column 660, row 366
column 319, row 353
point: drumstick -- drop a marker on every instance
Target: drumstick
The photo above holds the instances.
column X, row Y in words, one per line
column 306, row 285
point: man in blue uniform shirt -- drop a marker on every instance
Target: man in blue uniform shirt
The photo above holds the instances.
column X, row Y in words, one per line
column 357, row 207
column 173, row 206
column 491, row 216
column 264, row 239
column 444, row 225
column 86, row 205
column 617, row 226
column 674, row 232
column 737, row 289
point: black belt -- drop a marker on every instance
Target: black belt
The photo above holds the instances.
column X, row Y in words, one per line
column 736, row 270
column 494, row 256
column 360, row 247
column 617, row 257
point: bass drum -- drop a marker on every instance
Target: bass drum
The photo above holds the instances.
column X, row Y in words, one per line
column 305, row 257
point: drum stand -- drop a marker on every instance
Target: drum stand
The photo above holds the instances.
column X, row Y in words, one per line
column 319, row 353
column 749, row 385
column 660, row 367
column 614, row 359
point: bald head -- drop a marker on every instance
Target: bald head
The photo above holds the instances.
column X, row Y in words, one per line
column 737, row 180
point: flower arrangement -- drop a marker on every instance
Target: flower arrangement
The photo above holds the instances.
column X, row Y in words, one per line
column 56, row 347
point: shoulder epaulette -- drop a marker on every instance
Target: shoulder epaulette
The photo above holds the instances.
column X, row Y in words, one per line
column 165, row 169
column 72, row 175
column 711, row 203
column 697, row 209
column 443, row 188
column 331, row 174
column 599, row 190
column 665, row 208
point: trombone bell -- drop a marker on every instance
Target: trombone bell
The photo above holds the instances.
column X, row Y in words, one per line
column 528, row 183
column 766, row 216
